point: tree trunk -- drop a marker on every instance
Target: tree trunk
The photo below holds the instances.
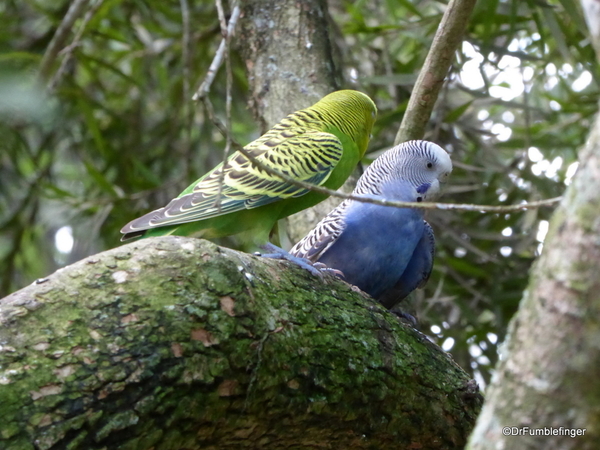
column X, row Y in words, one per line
column 551, row 362
column 546, row 392
column 292, row 62
column 288, row 49
column 175, row 343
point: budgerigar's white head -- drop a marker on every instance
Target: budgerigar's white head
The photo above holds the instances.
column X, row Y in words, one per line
column 423, row 164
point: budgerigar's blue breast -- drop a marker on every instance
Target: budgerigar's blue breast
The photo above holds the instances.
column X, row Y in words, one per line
column 377, row 243
column 417, row 270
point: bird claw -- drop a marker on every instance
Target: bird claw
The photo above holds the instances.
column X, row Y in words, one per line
column 318, row 269
column 279, row 253
column 323, row 268
column 406, row 316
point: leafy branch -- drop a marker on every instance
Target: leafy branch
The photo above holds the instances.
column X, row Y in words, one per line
column 437, row 63
column 446, row 40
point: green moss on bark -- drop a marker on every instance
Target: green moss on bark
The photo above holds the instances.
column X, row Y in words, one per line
column 176, row 343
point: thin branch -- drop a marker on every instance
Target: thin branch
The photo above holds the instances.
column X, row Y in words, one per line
column 446, row 41
column 431, row 78
column 526, row 108
column 68, row 51
column 222, row 19
column 60, row 36
column 218, row 59
column 229, row 81
column 397, row 204
column 186, row 62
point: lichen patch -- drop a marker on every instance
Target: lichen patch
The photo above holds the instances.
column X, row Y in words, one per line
column 120, row 276
column 49, row 389
column 227, row 305
column 204, row 336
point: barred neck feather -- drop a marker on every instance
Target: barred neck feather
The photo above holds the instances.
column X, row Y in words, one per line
column 351, row 112
column 345, row 109
column 418, row 162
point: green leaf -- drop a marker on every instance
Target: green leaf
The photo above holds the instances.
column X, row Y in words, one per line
column 100, row 179
column 456, row 113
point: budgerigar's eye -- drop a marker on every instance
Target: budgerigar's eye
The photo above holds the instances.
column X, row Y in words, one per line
column 429, row 165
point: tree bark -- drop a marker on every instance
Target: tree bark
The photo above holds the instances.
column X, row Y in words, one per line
column 431, row 77
column 292, row 62
column 550, row 367
column 547, row 381
column 175, row 343
column 289, row 54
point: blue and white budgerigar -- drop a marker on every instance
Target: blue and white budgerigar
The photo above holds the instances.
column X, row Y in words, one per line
column 386, row 251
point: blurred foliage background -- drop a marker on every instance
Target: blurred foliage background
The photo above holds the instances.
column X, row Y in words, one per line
column 105, row 130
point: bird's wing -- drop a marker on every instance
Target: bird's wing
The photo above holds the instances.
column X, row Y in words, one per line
column 417, row 271
column 323, row 236
column 310, row 157
column 427, row 246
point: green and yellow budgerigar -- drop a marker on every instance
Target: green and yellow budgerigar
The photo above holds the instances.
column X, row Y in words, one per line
column 321, row 144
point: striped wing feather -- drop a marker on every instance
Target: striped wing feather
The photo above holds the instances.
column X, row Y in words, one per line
column 309, row 157
column 323, row 236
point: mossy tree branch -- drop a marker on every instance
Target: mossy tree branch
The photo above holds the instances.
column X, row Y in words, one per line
column 176, row 343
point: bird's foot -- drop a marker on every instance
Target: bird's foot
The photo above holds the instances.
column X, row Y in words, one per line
column 323, row 268
column 316, row 269
column 405, row 316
